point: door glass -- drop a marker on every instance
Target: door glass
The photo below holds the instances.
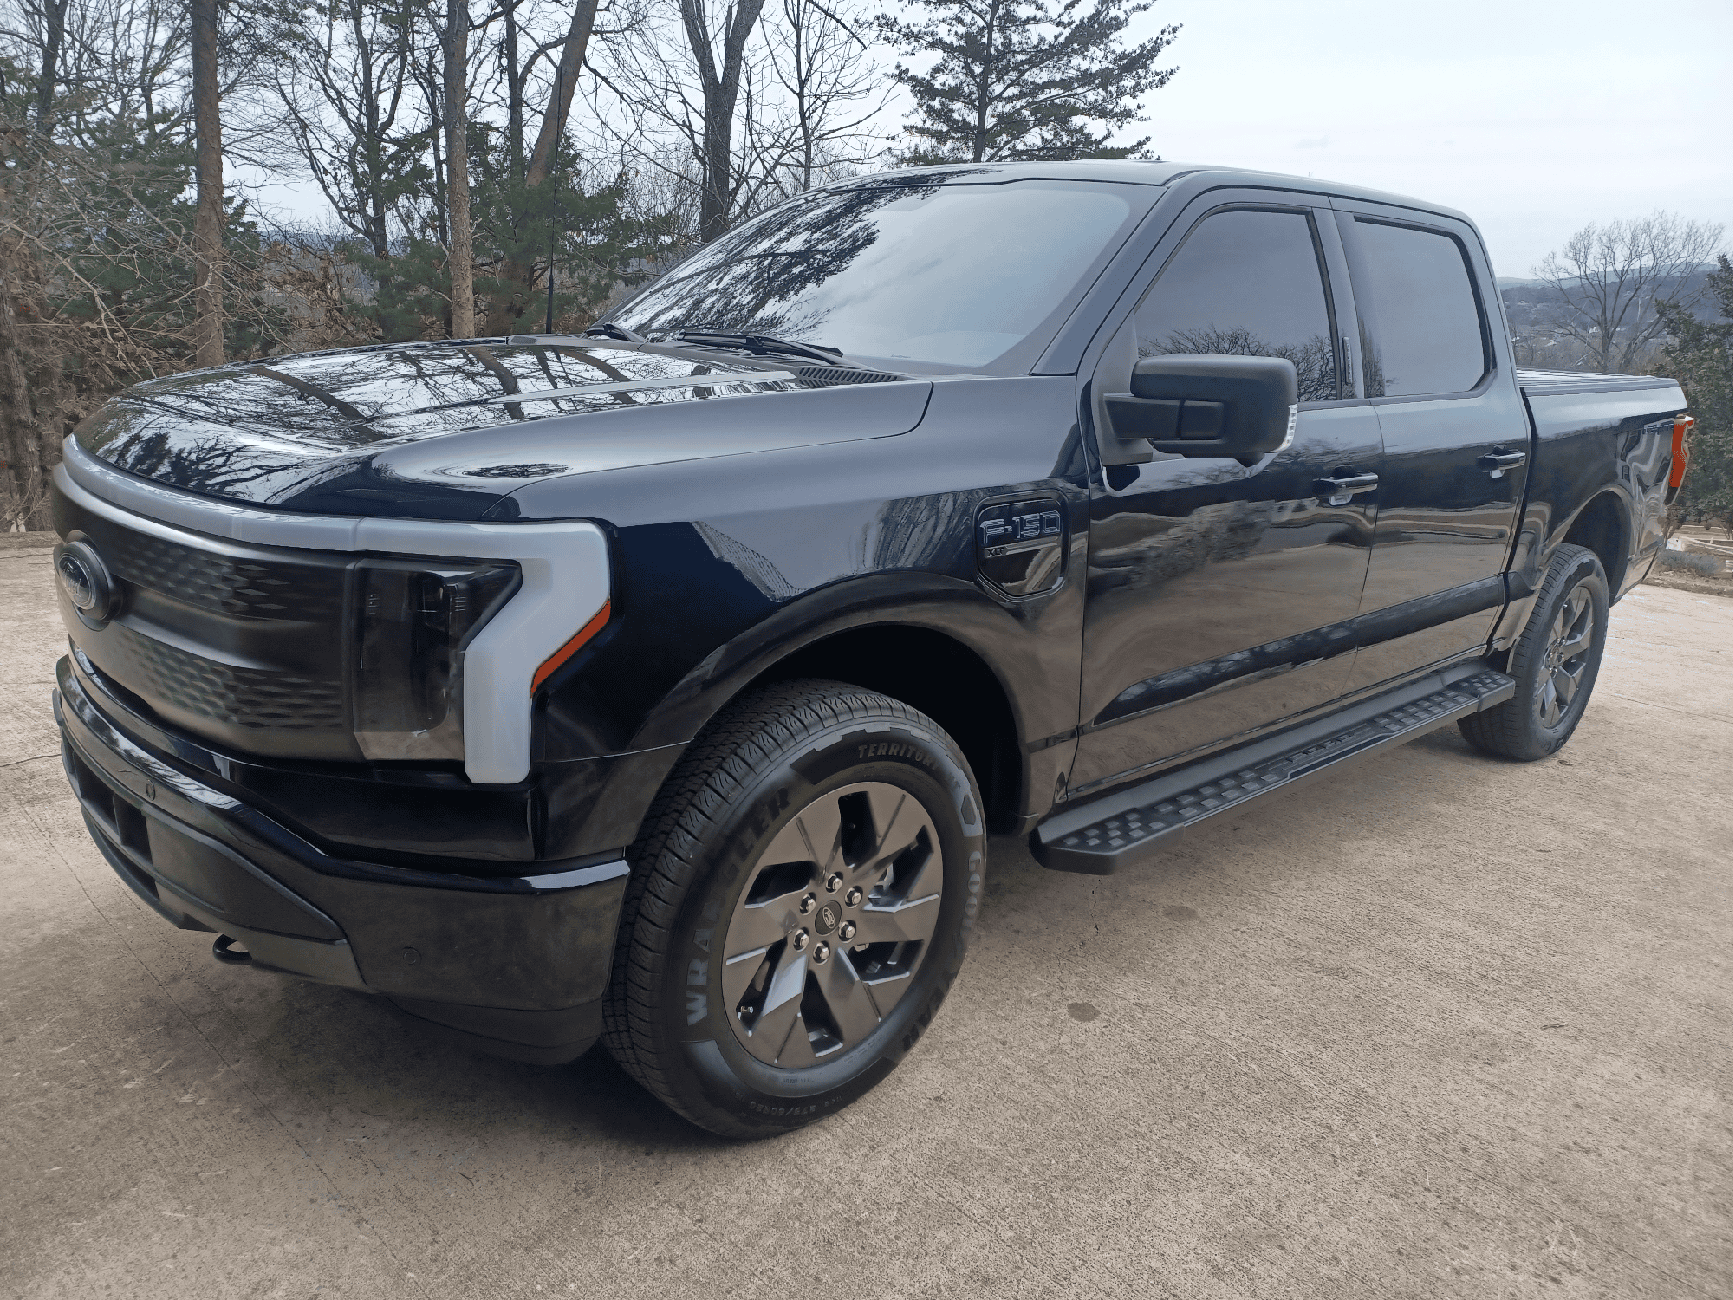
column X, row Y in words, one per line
column 1248, row 283
column 1419, row 322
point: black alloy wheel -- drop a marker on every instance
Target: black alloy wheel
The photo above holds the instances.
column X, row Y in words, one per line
column 1555, row 662
column 801, row 899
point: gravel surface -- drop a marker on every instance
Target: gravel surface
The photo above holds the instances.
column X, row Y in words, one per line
column 1437, row 1026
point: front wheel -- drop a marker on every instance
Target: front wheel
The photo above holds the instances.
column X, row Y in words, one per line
column 1554, row 661
column 801, row 898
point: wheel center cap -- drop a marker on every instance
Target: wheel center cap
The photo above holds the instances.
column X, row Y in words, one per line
column 828, row 918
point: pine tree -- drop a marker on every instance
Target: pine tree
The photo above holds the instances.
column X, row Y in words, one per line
column 1700, row 357
column 1018, row 79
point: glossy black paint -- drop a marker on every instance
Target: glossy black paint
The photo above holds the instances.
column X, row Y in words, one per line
column 764, row 527
column 1446, row 515
column 507, row 953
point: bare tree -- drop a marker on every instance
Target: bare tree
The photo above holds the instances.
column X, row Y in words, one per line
column 53, row 13
column 1610, row 277
column 833, row 91
column 572, row 53
column 344, row 92
column 721, row 90
column 208, row 165
column 460, row 254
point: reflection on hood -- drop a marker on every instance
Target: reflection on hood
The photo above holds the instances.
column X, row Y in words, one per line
column 268, row 432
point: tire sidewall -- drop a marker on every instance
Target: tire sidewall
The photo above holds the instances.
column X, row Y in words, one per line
column 1581, row 570
column 719, row 1074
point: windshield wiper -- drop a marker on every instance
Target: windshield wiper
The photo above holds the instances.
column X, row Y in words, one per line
column 608, row 330
column 761, row 345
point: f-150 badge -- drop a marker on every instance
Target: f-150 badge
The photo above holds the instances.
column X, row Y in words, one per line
column 1020, row 546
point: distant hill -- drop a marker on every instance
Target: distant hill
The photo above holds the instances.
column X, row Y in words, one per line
column 1537, row 313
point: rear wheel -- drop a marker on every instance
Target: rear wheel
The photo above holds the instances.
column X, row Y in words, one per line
column 801, row 899
column 1555, row 663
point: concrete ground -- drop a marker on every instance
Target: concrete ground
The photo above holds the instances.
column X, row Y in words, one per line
column 1440, row 1026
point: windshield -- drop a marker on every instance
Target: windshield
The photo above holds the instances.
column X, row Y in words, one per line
column 949, row 274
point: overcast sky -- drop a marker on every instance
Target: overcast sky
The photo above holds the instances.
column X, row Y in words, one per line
column 1533, row 116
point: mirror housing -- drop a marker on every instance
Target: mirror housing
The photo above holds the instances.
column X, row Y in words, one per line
column 1207, row 404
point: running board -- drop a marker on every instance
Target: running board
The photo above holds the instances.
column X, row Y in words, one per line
column 1100, row 836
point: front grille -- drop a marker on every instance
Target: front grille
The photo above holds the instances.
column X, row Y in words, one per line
column 246, row 588
column 243, row 646
column 226, row 693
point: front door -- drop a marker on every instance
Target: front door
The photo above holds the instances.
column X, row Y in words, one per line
column 1455, row 440
column 1221, row 595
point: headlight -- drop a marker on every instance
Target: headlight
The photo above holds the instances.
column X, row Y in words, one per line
column 412, row 624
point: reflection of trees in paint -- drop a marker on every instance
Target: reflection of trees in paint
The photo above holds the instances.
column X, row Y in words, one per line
column 1314, row 359
column 754, row 278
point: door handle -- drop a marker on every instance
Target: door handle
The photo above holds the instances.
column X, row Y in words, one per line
column 1495, row 463
column 1342, row 489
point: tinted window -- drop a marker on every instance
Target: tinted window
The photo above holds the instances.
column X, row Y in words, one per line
column 954, row 274
column 1248, row 283
column 1419, row 323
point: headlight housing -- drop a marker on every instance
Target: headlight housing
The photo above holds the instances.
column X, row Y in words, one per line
column 412, row 622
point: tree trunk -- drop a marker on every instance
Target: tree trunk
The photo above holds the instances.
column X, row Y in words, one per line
column 208, row 163
column 54, row 19
column 565, row 83
column 514, row 92
column 520, row 272
column 461, row 254
column 721, row 88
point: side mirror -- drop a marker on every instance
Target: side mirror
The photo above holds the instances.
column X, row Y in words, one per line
column 1227, row 407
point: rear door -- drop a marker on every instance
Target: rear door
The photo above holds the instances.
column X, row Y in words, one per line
column 1455, row 435
column 1221, row 596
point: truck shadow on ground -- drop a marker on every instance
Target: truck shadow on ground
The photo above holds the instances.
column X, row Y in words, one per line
column 354, row 1054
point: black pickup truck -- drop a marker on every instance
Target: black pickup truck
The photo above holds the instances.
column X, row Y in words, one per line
column 662, row 684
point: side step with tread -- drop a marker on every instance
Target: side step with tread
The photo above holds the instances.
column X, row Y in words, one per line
column 1099, row 836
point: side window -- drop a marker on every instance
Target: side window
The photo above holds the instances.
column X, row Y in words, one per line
column 1249, row 283
column 1420, row 328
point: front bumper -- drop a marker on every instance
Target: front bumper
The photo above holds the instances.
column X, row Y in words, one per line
column 515, row 965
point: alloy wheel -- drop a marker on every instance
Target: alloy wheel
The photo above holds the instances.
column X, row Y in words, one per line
column 1567, row 656
column 835, row 919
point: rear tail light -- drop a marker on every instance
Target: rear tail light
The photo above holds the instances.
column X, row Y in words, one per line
column 1682, row 425
column 413, row 621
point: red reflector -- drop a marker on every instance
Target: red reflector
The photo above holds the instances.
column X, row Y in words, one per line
column 1681, row 426
column 552, row 663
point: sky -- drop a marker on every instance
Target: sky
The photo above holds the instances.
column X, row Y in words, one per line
column 1535, row 117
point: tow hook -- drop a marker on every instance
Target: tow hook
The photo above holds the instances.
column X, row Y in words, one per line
column 224, row 950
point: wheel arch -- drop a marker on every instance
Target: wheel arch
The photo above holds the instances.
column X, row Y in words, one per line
column 1603, row 525
column 938, row 644
column 939, row 675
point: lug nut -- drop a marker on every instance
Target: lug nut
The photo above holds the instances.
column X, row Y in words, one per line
column 846, row 932
column 800, row 940
column 808, row 903
column 834, row 883
column 821, row 953
column 853, row 897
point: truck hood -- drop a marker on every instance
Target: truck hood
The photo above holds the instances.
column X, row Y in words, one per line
column 448, row 430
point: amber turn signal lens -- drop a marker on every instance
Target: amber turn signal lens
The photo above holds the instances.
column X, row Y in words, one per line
column 584, row 636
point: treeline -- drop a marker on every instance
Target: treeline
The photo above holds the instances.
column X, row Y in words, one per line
column 486, row 165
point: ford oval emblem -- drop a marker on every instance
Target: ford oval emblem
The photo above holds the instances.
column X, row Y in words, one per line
column 84, row 578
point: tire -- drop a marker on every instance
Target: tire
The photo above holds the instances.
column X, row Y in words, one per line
column 1555, row 662
column 732, row 928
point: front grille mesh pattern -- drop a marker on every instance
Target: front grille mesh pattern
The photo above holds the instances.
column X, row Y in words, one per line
column 239, row 587
column 246, row 697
